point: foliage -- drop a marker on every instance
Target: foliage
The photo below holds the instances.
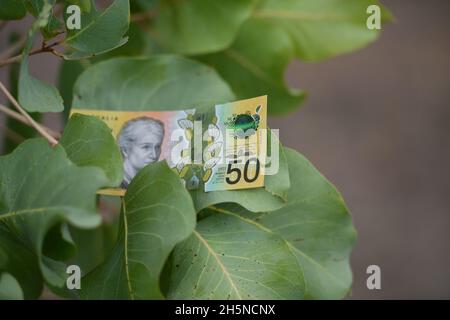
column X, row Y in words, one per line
column 288, row 240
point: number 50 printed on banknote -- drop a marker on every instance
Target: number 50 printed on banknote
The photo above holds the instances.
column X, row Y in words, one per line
column 219, row 149
column 239, row 133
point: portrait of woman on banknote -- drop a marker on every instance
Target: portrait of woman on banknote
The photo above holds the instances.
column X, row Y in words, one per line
column 140, row 141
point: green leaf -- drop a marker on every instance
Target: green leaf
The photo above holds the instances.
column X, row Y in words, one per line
column 163, row 82
column 34, row 94
column 58, row 244
column 157, row 214
column 41, row 188
column 239, row 254
column 321, row 29
column 168, row 82
column 230, row 257
column 137, row 45
column 200, row 26
column 100, row 31
column 77, row 55
column 94, row 245
column 22, row 263
column 88, row 142
column 254, row 68
column 69, row 70
column 12, row 10
column 85, row 5
column 9, row 288
column 317, row 226
column 20, row 130
column 52, row 26
column 280, row 31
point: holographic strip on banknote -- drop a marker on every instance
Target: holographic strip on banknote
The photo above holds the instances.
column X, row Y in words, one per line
column 221, row 149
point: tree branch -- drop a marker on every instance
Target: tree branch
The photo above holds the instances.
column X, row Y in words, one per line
column 14, row 47
column 17, row 116
column 12, row 135
column 44, row 48
column 29, row 119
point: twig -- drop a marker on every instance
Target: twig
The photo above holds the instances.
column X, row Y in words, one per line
column 14, row 47
column 17, row 116
column 30, row 120
column 57, row 53
column 44, row 48
column 12, row 135
column 57, row 10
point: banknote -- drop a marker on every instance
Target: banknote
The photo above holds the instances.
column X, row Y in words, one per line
column 219, row 149
column 235, row 155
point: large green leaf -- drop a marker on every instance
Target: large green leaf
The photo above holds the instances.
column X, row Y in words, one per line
column 40, row 188
column 169, row 82
column 89, row 142
column 100, row 31
column 12, row 10
column 321, row 29
column 235, row 253
column 317, row 225
column 281, row 30
column 200, row 26
column 164, row 82
column 34, row 94
column 254, row 68
column 157, row 214
column 70, row 69
column 9, row 288
column 229, row 257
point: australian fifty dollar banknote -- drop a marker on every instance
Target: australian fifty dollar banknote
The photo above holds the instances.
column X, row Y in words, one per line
column 221, row 149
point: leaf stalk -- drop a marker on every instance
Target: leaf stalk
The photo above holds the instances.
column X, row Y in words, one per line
column 30, row 121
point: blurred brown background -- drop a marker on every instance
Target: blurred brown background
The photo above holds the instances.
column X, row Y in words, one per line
column 377, row 124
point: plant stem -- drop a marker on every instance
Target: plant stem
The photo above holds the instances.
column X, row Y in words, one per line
column 44, row 48
column 17, row 116
column 13, row 48
column 12, row 135
column 30, row 120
